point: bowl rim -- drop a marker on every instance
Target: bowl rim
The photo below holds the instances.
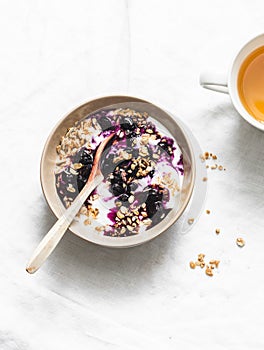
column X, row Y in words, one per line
column 115, row 242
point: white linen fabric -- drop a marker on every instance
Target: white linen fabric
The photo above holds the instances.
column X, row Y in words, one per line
column 56, row 55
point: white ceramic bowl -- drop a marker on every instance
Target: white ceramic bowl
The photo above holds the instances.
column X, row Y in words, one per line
column 49, row 158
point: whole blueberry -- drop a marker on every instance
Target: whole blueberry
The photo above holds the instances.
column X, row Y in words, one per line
column 105, row 123
column 85, row 156
column 67, row 177
column 124, row 197
column 133, row 186
column 128, row 124
column 86, row 170
column 154, row 195
column 163, row 145
column 88, row 159
column 117, row 189
column 153, row 207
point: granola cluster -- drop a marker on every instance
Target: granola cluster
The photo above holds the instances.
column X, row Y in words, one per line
column 209, row 267
column 209, row 157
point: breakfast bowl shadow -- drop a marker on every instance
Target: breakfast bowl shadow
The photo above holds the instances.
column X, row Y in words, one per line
column 93, row 267
column 49, row 156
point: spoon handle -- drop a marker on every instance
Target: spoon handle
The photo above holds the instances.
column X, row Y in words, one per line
column 52, row 238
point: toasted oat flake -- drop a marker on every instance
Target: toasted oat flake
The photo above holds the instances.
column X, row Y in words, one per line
column 73, row 172
column 100, row 228
column 70, row 188
column 143, row 151
column 125, row 155
column 190, row 221
column 209, row 271
column 77, row 166
column 58, row 149
column 208, row 211
column 93, row 212
column 214, row 262
column 123, row 230
column 200, row 263
column 205, row 179
column 120, row 215
column 171, row 183
column 144, row 139
column 131, row 199
column 94, row 196
column 192, row 265
column 83, row 210
column 201, row 257
column 240, row 242
column 123, row 210
column 87, row 222
column 147, row 222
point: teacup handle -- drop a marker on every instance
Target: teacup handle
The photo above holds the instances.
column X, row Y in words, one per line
column 214, row 81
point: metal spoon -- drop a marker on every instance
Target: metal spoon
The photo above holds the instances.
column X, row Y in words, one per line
column 55, row 234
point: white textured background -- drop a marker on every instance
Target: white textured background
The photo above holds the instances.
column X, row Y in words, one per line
column 58, row 54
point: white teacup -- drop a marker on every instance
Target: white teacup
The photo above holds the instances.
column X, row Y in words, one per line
column 228, row 84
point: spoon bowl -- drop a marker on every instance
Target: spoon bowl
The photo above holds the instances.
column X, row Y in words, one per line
column 55, row 234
